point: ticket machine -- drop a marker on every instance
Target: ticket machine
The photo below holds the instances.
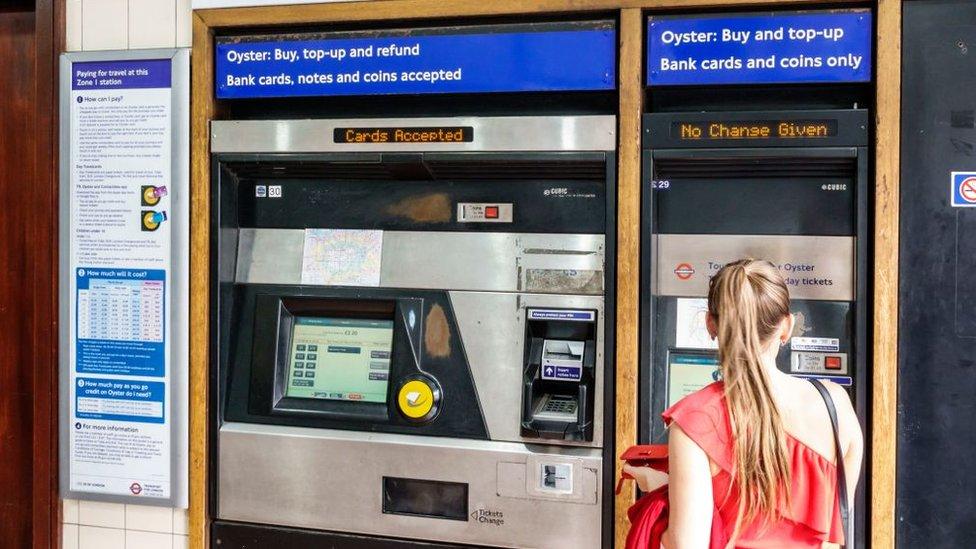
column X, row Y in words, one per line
column 786, row 186
column 413, row 324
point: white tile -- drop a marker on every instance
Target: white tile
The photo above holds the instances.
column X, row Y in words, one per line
column 150, row 519
column 152, row 23
column 72, row 16
column 181, row 522
column 69, row 511
column 92, row 537
column 147, row 540
column 97, row 513
column 69, row 536
column 181, row 542
column 105, row 24
column 184, row 24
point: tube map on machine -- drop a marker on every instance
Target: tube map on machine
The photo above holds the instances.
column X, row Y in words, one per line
column 441, row 63
column 789, row 48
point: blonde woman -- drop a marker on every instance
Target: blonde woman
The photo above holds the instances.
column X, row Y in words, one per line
column 757, row 447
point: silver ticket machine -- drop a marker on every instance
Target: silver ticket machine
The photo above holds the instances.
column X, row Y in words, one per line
column 413, row 324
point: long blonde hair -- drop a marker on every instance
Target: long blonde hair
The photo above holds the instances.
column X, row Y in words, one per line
column 748, row 300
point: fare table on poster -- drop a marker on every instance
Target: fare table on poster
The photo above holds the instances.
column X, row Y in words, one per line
column 124, row 259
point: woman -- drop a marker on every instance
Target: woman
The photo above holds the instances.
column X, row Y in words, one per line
column 756, row 447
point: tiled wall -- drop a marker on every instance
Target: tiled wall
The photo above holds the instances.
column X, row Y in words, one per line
column 115, row 25
column 127, row 24
column 96, row 525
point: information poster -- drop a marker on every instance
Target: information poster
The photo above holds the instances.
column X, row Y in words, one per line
column 123, row 208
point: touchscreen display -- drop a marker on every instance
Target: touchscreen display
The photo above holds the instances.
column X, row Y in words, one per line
column 340, row 359
column 688, row 372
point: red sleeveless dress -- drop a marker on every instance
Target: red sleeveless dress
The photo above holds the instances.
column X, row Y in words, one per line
column 813, row 514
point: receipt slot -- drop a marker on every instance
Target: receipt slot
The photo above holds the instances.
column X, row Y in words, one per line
column 786, row 186
column 410, row 339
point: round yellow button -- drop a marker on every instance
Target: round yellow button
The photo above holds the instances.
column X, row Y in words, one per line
column 416, row 399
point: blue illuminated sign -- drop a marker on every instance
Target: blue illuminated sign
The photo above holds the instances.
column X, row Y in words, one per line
column 786, row 48
column 559, row 59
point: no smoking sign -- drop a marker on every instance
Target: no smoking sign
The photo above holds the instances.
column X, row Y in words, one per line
column 963, row 192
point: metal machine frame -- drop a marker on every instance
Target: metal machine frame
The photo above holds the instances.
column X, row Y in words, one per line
column 516, row 139
column 851, row 142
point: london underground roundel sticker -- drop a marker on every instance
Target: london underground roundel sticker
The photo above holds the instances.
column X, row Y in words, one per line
column 963, row 192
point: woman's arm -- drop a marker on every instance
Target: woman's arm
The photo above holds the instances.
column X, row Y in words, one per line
column 851, row 439
column 690, row 493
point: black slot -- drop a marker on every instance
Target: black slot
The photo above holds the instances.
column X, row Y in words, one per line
column 425, row 498
column 755, row 167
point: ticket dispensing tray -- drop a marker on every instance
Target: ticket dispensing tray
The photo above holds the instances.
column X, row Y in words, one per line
column 411, row 336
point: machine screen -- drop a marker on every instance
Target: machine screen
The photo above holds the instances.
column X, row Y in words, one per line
column 340, row 359
column 689, row 372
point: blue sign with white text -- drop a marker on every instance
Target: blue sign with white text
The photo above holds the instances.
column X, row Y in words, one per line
column 562, row 59
column 119, row 321
column 118, row 75
column 775, row 48
column 120, row 400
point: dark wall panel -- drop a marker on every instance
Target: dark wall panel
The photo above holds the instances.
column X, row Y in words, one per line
column 937, row 320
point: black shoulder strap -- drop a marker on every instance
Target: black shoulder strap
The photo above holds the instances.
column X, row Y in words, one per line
column 841, row 477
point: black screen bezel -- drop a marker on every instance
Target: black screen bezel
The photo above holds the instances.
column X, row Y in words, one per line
column 285, row 310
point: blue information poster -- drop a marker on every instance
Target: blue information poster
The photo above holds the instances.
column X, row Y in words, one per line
column 770, row 48
column 123, row 210
column 545, row 57
column 120, row 317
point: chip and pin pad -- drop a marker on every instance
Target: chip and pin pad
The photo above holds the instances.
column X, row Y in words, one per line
column 412, row 338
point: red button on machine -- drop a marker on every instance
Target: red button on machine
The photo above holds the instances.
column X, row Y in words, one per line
column 491, row 212
column 832, row 363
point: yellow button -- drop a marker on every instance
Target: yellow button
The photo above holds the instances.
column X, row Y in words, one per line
column 416, row 399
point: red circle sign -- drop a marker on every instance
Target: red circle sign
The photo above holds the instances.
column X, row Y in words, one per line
column 967, row 190
column 684, row 271
column 136, row 489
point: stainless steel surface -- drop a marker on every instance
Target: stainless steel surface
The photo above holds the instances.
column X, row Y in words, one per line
column 492, row 329
column 501, row 133
column 815, row 267
column 494, row 262
column 270, row 255
column 332, row 480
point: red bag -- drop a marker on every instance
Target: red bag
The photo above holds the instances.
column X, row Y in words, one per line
column 649, row 514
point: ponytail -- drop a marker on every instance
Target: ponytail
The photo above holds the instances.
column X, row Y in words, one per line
column 748, row 300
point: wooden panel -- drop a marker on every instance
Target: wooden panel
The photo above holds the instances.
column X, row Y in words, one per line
column 17, row 171
column 415, row 9
column 43, row 238
column 886, row 199
column 201, row 109
column 628, row 249
column 29, row 507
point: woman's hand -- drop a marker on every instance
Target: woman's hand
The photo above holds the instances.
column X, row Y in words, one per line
column 648, row 479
